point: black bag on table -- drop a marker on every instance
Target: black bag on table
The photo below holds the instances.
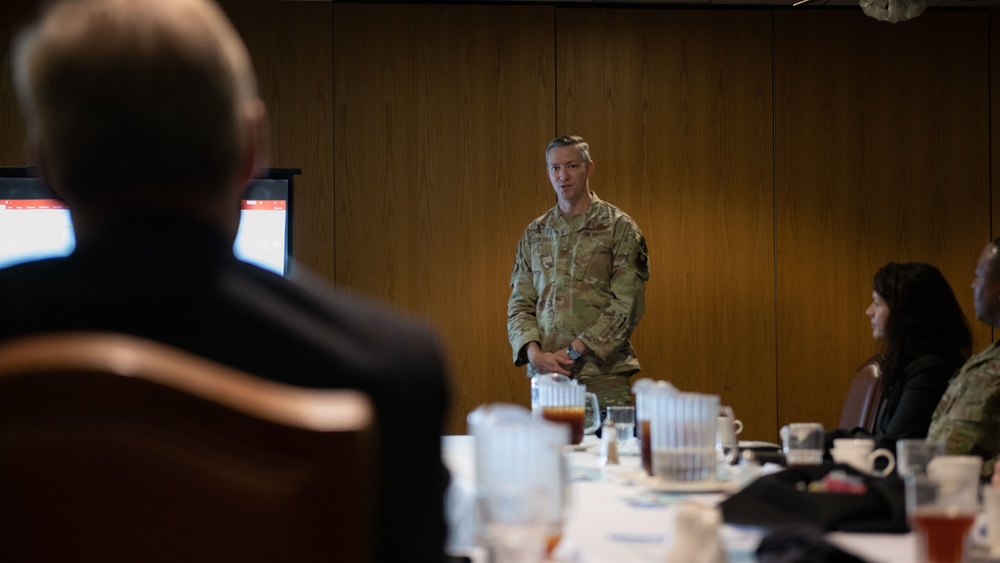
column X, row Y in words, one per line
column 783, row 499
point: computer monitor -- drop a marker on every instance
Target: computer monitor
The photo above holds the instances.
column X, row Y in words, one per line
column 34, row 224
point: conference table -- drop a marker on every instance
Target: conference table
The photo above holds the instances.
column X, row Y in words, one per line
column 618, row 517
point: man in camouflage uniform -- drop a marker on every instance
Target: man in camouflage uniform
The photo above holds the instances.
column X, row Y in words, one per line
column 967, row 419
column 578, row 283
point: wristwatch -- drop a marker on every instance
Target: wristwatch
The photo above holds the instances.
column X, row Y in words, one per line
column 573, row 353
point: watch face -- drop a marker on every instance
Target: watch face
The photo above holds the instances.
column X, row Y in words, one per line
column 573, row 353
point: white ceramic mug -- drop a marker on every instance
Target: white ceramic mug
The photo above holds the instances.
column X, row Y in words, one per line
column 860, row 453
column 959, row 474
column 728, row 427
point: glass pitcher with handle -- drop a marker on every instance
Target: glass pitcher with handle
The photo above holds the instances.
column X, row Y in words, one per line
column 565, row 401
column 644, row 390
column 537, row 382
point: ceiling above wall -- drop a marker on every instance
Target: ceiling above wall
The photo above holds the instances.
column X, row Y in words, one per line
column 929, row 3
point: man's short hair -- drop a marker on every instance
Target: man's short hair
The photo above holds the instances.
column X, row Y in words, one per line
column 570, row 141
column 152, row 90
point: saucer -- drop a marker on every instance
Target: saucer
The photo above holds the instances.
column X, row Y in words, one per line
column 659, row 485
column 755, row 445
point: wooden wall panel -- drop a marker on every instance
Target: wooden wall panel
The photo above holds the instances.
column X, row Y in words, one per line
column 13, row 17
column 442, row 115
column 881, row 154
column 291, row 44
column 677, row 107
column 994, row 71
column 772, row 173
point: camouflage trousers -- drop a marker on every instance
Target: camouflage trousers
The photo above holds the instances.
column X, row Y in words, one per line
column 612, row 389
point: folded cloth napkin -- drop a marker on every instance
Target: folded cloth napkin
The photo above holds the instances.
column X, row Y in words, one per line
column 801, row 544
column 783, row 498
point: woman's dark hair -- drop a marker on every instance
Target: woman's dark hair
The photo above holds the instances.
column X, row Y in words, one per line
column 924, row 317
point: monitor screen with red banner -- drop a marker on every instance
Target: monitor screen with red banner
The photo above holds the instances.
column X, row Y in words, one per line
column 34, row 224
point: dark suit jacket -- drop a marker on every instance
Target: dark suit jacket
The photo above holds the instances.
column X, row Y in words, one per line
column 177, row 281
column 906, row 410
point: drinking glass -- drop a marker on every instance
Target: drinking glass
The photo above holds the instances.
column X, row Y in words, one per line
column 624, row 419
column 913, row 455
column 803, row 443
column 959, row 472
column 941, row 514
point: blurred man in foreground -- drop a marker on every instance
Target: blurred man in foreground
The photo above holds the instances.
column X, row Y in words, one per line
column 143, row 116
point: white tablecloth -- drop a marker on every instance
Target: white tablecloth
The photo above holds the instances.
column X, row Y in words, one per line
column 612, row 518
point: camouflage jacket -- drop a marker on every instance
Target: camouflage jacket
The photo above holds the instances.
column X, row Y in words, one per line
column 967, row 420
column 583, row 278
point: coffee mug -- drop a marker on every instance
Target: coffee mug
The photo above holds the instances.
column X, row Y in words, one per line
column 728, row 427
column 860, row 453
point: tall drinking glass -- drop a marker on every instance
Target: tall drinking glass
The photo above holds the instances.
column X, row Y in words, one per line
column 913, row 455
column 624, row 419
column 803, row 443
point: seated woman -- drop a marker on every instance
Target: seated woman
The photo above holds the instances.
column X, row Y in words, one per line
column 925, row 339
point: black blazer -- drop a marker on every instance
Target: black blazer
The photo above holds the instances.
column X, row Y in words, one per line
column 906, row 410
column 177, row 281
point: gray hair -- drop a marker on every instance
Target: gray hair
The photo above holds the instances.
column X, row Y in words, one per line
column 570, row 141
column 156, row 90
